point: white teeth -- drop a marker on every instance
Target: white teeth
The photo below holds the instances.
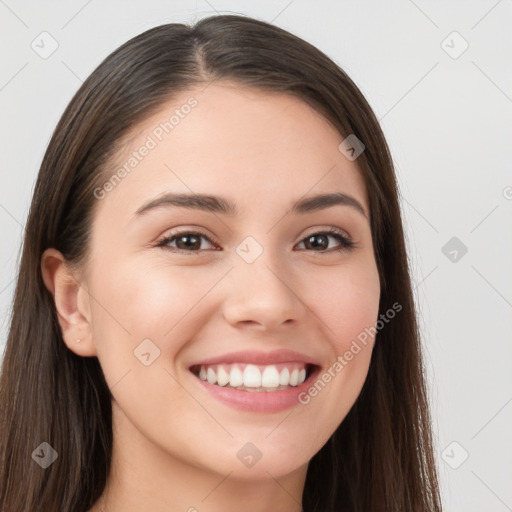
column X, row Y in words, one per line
column 284, row 378
column 222, row 376
column 270, row 377
column 236, row 377
column 252, row 376
column 211, row 376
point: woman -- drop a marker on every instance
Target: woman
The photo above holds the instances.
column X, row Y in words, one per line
column 185, row 335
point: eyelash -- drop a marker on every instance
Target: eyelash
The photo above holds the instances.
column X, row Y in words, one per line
column 346, row 243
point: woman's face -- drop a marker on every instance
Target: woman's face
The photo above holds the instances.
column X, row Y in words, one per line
column 263, row 279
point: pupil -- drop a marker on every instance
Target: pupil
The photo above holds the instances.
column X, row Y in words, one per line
column 313, row 237
column 189, row 240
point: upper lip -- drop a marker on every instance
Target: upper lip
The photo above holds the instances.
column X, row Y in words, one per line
column 257, row 357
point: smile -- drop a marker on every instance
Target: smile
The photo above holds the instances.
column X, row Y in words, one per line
column 255, row 378
column 264, row 392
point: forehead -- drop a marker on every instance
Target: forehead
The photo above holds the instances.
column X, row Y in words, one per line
column 255, row 147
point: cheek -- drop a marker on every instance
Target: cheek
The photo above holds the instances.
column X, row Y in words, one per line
column 144, row 309
column 347, row 301
column 149, row 300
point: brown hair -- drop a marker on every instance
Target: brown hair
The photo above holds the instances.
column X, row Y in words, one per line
column 381, row 456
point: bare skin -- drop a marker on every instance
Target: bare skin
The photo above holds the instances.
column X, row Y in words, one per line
column 175, row 447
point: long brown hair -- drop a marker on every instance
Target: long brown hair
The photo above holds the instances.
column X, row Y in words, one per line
column 381, row 456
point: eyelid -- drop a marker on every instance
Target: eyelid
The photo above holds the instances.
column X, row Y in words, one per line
column 328, row 230
column 189, row 229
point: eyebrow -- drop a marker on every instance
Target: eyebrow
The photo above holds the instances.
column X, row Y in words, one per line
column 216, row 204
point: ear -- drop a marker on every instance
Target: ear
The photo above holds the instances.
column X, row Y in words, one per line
column 72, row 303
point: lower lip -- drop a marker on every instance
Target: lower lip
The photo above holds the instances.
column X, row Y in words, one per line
column 258, row 401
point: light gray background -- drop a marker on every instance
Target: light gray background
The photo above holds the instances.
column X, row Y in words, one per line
column 447, row 119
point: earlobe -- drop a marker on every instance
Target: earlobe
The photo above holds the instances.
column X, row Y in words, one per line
column 72, row 312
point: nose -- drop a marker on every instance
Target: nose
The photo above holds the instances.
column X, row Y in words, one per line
column 262, row 294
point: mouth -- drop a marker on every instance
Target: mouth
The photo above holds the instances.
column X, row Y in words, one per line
column 256, row 378
column 255, row 381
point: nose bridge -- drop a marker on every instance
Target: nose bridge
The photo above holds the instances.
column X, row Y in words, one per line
column 259, row 289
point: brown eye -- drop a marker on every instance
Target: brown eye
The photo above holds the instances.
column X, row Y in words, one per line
column 191, row 241
column 321, row 240
column 186, row 241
